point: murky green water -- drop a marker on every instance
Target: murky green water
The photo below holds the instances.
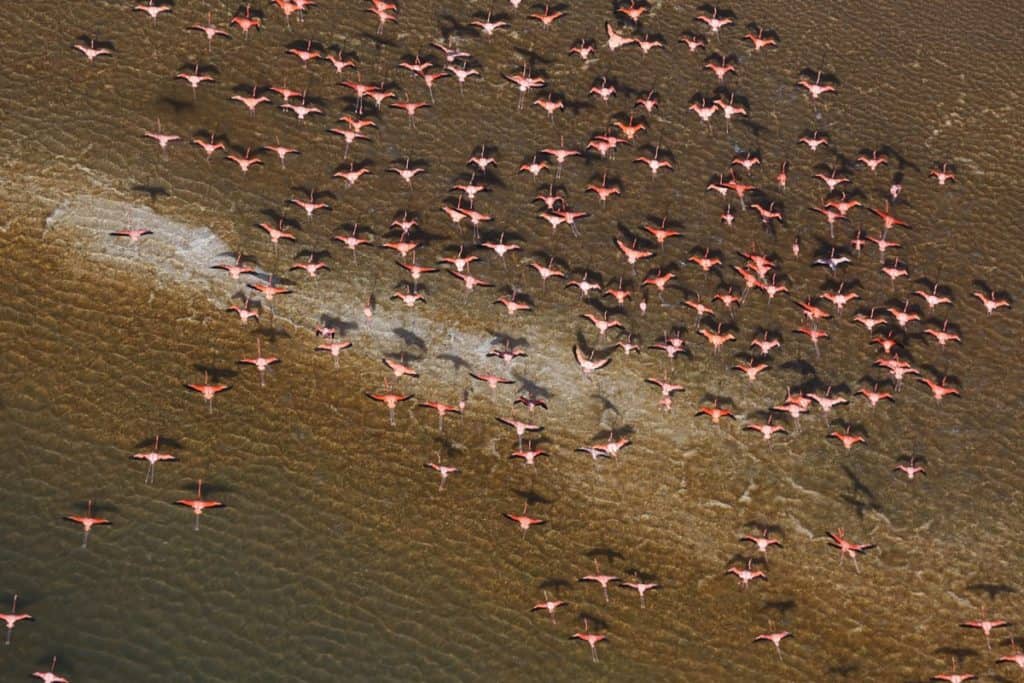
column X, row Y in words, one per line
column 337, row 557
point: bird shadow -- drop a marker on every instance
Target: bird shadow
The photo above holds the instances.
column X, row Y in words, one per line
column 902, row 163
column 619, row 432
column 341, row 327
column 843, row 670
column 190, row 485
column 530, row 387
column 165, row 441
column 604, row 553
column 271, row 333
column 216, row 374
column 993, row 590
column 280, row 219
column 271, row 279
column 452, row 27
column 860, row 506
column 532, row 497
column 765, row 527
column 458, row 363
column 645, row 577
column 718, row 400
column 596, row 622
column 97, row 44
column 178, row 106
column 98, row 508
column 154, row 191
column 606, row 403
column 555, row 584
column 783, row 607
column 502, row 339
column 744, row 559
column 410, row 338
column 716, row 11
column 378, row 41
column 959, row 654
column 860, row 487
column 533, row 59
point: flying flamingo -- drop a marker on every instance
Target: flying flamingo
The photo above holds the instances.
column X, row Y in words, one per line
column 153, row 457
column 87, row 522
column 208, row 390
column 260, row 363
column 591, row 639
column 603, row 579
column 49, row 676
column 640, row 587
column 391, row 401
column 443, row 470
column 197, row 504
column 775, row 639
column 549, row 605
column 523, row 521
column 12, row 618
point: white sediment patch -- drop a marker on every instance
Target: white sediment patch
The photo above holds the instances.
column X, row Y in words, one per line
column 175, row 253
column 178, row 254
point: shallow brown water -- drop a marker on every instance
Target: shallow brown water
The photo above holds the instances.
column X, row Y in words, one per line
column 337, row 558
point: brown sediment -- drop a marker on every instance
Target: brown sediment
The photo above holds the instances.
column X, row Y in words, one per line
column 337, row 556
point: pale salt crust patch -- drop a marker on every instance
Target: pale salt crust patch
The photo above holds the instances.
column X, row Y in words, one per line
column 182, row 254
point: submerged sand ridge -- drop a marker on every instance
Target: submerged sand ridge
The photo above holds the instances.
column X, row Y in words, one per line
column 177, row 254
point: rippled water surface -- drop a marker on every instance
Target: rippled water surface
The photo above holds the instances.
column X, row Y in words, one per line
column 336, row 556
